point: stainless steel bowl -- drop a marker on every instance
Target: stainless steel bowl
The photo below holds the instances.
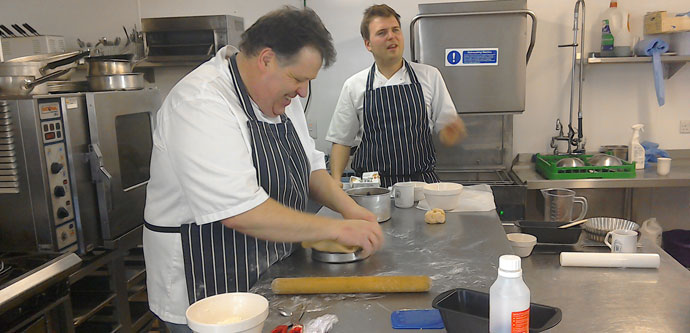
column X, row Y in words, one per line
column 604, row 160
column 570, row 162
column 375, row 199
column 620, row 151
column 597, row 227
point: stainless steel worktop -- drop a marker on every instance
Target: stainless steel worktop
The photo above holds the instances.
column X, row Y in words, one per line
column 524, row 168
column 463, row 253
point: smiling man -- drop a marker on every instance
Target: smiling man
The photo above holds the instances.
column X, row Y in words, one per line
column 233, row 166
column 390, row 110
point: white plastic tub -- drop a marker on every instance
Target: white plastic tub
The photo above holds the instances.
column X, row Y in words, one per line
column 228, row 313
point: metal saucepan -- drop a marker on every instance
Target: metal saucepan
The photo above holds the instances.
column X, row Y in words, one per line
column 375, row 199
column 43, row 64
column 23, row 85
column 130, row 81
column 110, row 65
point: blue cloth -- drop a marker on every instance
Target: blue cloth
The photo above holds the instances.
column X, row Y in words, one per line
column 652, row 152
column 654, row 47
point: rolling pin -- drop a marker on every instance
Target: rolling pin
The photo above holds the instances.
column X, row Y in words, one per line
column 351, row 284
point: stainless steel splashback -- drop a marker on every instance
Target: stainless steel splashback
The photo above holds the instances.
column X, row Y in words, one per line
column 481, row 49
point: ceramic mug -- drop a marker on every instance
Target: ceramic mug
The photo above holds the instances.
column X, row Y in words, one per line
column 622, row 241
column 403, row 193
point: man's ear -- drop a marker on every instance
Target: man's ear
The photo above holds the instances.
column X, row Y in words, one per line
column 266, row 58
column 367, row 44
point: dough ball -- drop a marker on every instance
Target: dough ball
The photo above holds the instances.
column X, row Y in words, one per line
column 435, row 216
column 330, row 246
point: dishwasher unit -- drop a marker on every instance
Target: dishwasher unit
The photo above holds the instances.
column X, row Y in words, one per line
column 481, row 49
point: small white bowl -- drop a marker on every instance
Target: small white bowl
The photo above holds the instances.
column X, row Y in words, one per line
column 418, row 190
column 230, row 313
column 445, row 196
column 522, row 243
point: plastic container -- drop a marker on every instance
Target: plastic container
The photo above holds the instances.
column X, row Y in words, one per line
column 509, row 300
column 651, row 230
column 636, row 152
column 465, row 310
column 548, row 232
column 677, row 244
column 616, row 39
column 546, row 166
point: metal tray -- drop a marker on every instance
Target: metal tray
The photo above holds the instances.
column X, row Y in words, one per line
column 336, row 258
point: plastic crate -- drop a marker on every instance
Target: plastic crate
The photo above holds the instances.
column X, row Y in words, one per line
column 546, row 166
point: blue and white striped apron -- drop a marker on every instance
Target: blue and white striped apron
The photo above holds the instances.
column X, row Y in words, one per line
column 397, row 140
column 218, row 259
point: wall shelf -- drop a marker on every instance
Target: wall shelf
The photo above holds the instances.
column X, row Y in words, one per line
column 671, row 63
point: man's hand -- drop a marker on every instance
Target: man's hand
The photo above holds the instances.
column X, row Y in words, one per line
column 453, row 132
column 357, row 212
column 364, row 234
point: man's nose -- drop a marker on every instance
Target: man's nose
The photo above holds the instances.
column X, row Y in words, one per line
column 303, row 89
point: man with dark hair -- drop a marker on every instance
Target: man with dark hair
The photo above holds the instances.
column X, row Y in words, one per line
column 390, row 109
column 233, row 166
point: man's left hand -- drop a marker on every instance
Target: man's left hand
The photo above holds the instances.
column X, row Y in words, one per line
column 453, row 132
column 357, row 212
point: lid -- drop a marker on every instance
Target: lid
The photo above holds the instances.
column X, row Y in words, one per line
column 509, row 266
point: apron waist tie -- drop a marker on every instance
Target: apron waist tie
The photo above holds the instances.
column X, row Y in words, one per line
column 167, row 230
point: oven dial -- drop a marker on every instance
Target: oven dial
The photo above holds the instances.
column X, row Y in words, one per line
column 59, row 191
column 62, row 213
column 55, row 167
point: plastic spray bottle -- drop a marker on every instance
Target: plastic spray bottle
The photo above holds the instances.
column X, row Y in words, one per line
column 616, row 39
column 509, row 298
column 636, row 151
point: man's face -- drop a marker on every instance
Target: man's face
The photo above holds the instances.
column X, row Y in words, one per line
column 282, row 82
column 386, row 40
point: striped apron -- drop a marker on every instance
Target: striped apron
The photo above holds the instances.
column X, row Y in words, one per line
column 397, row 140
column 218, row 259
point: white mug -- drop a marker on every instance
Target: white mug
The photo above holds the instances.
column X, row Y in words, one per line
column 622, row 241
column 663, row 166
column 403, row 194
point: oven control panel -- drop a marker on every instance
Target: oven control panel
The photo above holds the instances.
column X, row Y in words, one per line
column 56, row 164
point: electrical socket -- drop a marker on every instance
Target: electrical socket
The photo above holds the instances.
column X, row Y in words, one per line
column 685, row 127
column 311, row 126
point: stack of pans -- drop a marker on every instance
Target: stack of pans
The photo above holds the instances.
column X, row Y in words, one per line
column 113, row 72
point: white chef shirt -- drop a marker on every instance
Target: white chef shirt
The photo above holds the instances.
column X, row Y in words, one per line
column 347, row 124
column 201, row 171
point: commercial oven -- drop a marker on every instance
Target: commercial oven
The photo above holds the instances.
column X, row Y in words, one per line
column 73, row 168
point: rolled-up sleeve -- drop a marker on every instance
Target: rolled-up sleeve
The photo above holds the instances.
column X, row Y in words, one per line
column 443, row 110
column 209, row 156
column 345, row 124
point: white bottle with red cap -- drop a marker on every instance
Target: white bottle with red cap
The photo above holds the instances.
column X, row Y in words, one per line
column 509, row 298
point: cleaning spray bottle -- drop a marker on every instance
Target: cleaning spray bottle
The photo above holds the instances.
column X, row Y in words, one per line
column 636, row 151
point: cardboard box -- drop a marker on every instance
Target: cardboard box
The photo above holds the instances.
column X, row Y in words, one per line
column 661, row 22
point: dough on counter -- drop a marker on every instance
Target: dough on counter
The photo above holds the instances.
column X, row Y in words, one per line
column 330, row 246
column 435, row 216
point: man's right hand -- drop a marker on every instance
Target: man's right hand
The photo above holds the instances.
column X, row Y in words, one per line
column 365, row 234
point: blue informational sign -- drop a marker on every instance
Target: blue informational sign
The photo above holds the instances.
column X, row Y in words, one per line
column 453, row 57
column 472, row 57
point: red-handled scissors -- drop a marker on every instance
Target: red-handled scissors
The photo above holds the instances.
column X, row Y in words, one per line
column 294, row 326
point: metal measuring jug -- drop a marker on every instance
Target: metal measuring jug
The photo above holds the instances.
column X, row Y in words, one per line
column 558, row 204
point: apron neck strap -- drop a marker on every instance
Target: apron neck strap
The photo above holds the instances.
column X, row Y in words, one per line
column 372, row 72
column 240, row 88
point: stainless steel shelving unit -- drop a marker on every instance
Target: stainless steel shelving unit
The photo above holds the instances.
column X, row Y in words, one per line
column 671, row 63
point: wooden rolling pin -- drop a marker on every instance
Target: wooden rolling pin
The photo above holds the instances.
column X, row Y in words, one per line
column 351, row 284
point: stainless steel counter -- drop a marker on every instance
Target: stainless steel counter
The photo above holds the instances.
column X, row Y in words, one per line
column 679, row 177
column 463, row 253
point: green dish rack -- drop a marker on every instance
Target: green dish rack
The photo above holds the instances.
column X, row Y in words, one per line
column 546, row 166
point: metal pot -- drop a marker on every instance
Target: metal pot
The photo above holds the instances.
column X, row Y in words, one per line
column 43, row 64
column 23, row 85
column 108, row 65
column 130, row 81
column 375, row 199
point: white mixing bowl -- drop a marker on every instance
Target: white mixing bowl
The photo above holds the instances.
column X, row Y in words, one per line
column 228, row 313
column 445, row 196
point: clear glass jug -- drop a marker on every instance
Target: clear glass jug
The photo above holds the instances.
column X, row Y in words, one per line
column 558, row 205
